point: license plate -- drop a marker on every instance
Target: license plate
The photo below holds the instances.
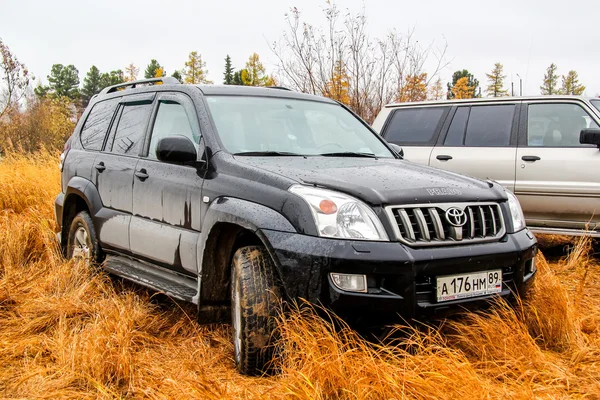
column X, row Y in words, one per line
column 454, row 287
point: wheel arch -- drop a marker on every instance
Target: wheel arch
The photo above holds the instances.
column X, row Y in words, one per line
column 230, row 224
column 80, row 195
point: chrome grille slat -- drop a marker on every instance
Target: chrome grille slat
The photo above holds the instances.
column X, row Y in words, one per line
column 493, row 218
column 437, row 224
column 482, row 221
column 471, row 223
column 405, row 220
column 422, row 224
column 429, row 224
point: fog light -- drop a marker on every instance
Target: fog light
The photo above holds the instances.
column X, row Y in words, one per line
column 350, row 282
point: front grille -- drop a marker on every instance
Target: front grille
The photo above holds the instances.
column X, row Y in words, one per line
column 447, row 223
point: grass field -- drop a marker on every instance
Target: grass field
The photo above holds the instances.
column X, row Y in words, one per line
column 67, row 331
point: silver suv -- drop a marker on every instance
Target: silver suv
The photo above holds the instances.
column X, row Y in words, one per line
column 533, row 146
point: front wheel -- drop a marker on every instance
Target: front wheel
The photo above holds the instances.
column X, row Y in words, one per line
column 255, row 303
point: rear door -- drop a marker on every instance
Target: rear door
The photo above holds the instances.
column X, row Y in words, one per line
column 114, row 167
column 481, row 141
column 415, row 129
column 558, row 183
column 166, row 222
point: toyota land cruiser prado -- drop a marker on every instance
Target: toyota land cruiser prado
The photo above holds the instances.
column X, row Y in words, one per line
column 233, row 198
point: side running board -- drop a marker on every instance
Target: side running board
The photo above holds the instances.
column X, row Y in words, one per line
column 174, row 285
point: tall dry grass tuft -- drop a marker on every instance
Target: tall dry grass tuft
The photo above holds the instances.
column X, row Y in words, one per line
column 71, row 331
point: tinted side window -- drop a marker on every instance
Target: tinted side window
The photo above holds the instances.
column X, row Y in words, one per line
column 129, row 136
column 557, row 125
column 456, row 132
column 96, row 125
column 413, row 125
column 490, row 126
column 171, row 119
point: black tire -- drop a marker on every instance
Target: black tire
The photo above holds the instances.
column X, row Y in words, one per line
column 83, row 221
column 256, row 309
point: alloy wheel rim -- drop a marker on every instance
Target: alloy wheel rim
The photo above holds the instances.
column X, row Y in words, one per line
column 81, row 245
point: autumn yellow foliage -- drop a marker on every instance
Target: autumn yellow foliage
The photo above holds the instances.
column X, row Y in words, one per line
column 68, row 331
column 462, row 90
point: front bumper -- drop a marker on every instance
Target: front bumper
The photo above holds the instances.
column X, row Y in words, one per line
column 401, row 279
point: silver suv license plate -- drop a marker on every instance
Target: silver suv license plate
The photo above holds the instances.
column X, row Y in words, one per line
column 454, row 287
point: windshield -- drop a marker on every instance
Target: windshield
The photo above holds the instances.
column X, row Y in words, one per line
column 596, row 103
column 259, row 125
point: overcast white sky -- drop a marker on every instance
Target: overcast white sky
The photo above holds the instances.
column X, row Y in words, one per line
column 526, row 36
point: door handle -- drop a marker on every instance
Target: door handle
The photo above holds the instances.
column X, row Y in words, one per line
column 444, row 157
column 100, row 166
column 141, row 174
column 530, row 158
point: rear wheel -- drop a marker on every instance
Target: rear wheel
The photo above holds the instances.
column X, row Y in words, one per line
column 82, row 242
column 255, row 303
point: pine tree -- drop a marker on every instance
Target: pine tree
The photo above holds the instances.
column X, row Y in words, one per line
column 63, row 81
column 152, row 70
column 195, row 71
column 131, row 73
column 111, row 78
column 496, row 81
column 415, row 88
column 436, row 91
column 462, row 89
column 471, row 82
column 228, row 74
column 550, row 81
column 237, row 77
column 339, row 86
column 254, row 74
column 571, row 85
column 177, row 75
column 91, row 85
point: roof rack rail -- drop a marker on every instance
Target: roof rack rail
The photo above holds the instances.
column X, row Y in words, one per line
column 167, row 80
column 280, row 88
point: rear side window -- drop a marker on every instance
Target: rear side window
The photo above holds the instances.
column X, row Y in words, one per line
column 490, row 126
column 416, row 126
column 96, row 125
column 456, row 132
column 130, row 132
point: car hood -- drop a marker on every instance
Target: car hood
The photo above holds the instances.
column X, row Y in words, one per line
column 380, row 181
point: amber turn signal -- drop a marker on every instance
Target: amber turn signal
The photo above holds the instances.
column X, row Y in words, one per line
column 327, row 207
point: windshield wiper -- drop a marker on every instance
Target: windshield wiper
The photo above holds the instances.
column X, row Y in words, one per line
column 348, row 154
column 267, row 153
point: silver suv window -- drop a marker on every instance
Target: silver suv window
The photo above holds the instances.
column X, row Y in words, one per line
column 481, row 126
column 557, row 124
column 414, row 126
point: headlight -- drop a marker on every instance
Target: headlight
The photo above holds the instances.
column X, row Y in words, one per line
column 338, row 215
column 516, row 213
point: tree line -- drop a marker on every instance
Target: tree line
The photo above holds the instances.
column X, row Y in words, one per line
column 63, row 81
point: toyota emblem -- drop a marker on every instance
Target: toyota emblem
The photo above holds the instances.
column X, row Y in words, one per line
column 456, row 217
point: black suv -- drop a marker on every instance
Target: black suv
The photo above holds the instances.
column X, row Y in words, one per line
column 234, row 198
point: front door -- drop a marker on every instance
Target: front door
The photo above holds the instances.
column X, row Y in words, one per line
column 480, row 142
column 167, row 197
column 558, row 183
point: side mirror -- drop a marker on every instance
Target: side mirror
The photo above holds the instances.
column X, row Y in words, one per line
column 590, row 136
column 176, row 149
column 397, row 149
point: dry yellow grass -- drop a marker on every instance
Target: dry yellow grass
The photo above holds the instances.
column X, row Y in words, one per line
column 70, row 332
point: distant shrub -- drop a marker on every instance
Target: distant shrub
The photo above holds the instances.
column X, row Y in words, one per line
column 44, row 124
